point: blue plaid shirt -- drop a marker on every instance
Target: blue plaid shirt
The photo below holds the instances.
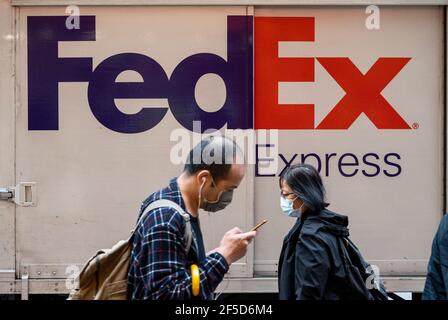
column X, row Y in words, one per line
column 160, row 267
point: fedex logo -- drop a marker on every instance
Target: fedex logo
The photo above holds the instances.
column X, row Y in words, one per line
column 249, row 43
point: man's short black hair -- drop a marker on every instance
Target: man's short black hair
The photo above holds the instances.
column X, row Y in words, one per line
column 215, row 154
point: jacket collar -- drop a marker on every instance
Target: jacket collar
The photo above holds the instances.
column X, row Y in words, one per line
column 294, row 231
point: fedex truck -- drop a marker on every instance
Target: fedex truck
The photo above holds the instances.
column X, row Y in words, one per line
column 92, row 93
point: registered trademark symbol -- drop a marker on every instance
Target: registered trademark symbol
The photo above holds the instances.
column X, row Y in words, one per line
column 415, row 125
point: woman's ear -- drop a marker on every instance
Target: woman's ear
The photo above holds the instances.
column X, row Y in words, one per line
column 297, row 203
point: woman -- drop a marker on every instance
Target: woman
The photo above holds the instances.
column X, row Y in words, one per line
column 310, row 265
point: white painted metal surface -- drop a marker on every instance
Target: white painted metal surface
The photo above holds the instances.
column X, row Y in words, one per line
column 233, row 285
column 392, row 219
column 102, row 176
column 7, row 141
column 224, row 2
column 92, row 180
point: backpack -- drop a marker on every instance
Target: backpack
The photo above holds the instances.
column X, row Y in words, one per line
column 105, row 275
column 361, row 281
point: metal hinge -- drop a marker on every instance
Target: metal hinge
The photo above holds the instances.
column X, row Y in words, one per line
column 24, row 194
column 6, row 194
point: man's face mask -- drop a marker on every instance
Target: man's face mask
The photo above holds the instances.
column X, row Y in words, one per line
column 223, row 200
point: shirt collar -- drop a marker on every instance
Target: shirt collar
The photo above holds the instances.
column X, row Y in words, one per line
column 174, row 188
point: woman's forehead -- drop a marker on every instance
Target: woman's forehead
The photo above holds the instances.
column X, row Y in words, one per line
column 285, row 186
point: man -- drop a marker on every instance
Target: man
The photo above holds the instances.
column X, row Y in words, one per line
column 160, row 267
column 436, row 286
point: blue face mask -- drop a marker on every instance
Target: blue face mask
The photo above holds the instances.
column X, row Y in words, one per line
column 287, row 206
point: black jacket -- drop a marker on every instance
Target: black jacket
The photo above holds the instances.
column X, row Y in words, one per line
column 310, row 266
column 436, row 286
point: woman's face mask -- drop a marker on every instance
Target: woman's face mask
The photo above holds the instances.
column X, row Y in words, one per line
column 287, row 206
column 222, row 201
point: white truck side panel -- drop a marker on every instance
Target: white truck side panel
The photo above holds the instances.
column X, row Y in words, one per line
column 91, row 180
column 7, row 126
column 392, row 219
column 223, row 2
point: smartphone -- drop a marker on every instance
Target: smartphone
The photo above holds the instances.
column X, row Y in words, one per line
column 259, row 225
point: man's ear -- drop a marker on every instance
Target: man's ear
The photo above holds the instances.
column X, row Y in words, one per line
column 203, row 176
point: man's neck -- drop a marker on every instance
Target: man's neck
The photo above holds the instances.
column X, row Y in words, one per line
column 189, row 194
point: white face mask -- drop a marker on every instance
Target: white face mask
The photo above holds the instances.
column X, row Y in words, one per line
column 287, row 206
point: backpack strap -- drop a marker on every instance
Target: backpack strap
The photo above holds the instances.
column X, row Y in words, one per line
column 162, row 203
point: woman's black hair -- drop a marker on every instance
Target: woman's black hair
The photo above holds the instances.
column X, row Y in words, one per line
column 306, row 184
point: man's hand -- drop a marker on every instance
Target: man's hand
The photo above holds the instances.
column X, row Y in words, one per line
column 234, row 244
